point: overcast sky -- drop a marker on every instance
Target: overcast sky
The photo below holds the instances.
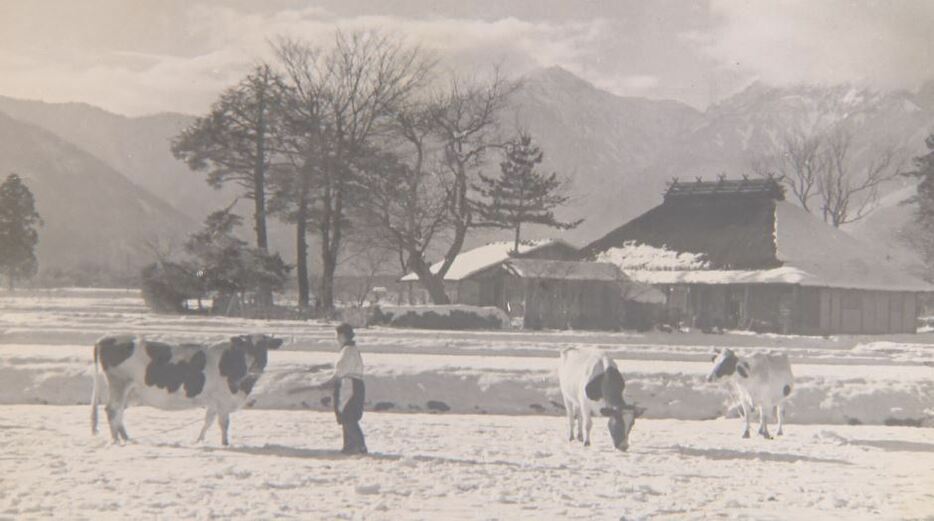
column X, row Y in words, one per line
column 140, row 57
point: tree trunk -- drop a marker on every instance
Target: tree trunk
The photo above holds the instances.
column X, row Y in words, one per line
column 301, row 242
column 264, row 295
column 326, row 291
column 301, row 262
column 259, row 209
column 515, row 247
column 432, row 283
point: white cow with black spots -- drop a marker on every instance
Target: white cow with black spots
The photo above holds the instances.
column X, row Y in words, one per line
column 592, row 384
column 760, row 381
column 168, row 376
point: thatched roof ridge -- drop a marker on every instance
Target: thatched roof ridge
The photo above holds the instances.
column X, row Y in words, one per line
column 768, row 188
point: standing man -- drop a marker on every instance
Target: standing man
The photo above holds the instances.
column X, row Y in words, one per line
column 349, row 391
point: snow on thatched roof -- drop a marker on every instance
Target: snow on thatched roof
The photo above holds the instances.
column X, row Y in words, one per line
column 745, row 238
column 726, row 232
column 487, row 256
column 563, row 270
column 634, row 256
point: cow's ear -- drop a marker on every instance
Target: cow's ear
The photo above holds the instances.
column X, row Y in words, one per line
column 743, row 369
column 594, row 388
column 606, row 411
column 638, row 411
column 274, row 343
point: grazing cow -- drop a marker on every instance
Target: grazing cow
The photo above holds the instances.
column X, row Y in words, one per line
column 218, row 378
column 591, row 384
column 760, row 380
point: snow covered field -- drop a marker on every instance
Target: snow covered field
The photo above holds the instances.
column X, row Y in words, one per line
column 494, row 446
column 282, row 465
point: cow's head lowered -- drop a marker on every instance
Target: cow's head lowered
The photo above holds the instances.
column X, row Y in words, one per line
column 244, row 360
column 607, row 387
column 725, row 364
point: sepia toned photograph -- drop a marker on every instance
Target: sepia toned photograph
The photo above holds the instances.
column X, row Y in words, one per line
column 466, row 260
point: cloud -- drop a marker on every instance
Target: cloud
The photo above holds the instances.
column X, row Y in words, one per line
column 230, row 41
column 882, row 44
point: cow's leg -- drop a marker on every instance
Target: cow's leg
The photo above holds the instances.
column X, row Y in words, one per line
column 569, row 409
column 121, row 428
column 588, row 423
column 780, row 413
column 580, row 423
column 763, row 419
column 223, row 421
column 116, row 402
column 746, row 413
column 208, row 420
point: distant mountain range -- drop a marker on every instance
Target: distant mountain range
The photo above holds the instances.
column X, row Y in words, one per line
column 102, row 175
column 93, row 215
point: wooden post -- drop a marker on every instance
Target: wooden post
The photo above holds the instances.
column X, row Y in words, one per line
column 745, row 316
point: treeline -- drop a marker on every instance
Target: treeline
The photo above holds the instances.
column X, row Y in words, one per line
column 366, row 142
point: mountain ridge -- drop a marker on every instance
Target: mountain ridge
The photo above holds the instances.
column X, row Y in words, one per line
column 93, row 215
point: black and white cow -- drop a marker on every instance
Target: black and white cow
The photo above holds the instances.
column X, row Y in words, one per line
column 218, row 377
column 592, row 384
column 759, row 380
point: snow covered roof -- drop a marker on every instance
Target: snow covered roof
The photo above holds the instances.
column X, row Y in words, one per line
column 744, row 240
column 487, row 256
column 728, row 231
column 827, row 256
column 563, row 270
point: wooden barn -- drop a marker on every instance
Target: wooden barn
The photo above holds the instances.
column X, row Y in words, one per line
column 475, row 278
column 735, row 254
column 552, row 294
column 544, row 286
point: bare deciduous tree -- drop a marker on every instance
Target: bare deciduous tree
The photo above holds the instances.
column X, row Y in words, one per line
column 421, row 188
column 800, row 161
column 823, row 165
column 355, row 86
column 849, row 185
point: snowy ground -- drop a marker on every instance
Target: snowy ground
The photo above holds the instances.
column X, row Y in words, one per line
column 282, row 465
column 455, row 465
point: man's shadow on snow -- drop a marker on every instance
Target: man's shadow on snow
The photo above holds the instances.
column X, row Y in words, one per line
column 727, row 454
column 283, row 451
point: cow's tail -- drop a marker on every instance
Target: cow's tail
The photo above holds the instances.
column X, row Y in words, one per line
column 95, row 394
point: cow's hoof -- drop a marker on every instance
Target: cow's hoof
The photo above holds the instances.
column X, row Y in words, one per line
column 746, row 435
column 779, row 433
column 580, row 437
column 587, row 443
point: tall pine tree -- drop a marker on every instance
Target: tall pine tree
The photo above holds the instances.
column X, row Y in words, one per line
column 234, row 142
column 18, row 236
column 921, row 233
column 521, row 194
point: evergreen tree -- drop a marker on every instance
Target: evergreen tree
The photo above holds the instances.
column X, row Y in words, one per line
column 921, row 233
column 18, row 236
column 521, row 194
column 234, row 142
column 229, row 266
